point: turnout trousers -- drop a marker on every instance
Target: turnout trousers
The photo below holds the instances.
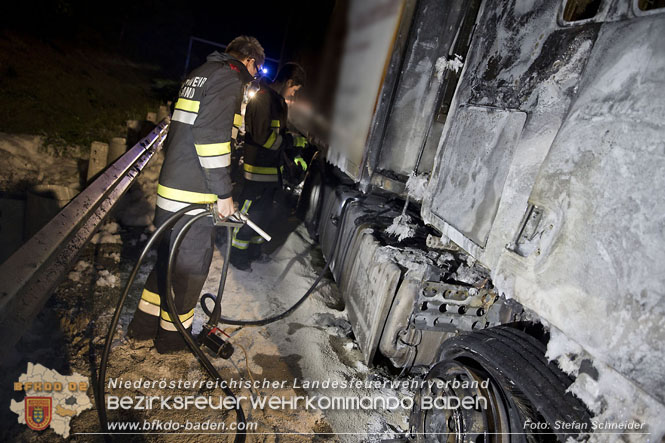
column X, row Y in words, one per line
column 153, row 319
column 257, row 200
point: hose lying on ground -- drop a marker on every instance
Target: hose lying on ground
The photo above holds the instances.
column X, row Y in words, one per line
column 215, row 314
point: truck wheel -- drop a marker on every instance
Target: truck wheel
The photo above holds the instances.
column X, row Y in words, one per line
column 525, row 395
column 311, row 200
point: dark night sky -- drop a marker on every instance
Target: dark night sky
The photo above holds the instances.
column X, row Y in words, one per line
column 158, row 31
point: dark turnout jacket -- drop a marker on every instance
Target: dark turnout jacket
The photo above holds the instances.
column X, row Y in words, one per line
column 265, row 126
column 198, row 146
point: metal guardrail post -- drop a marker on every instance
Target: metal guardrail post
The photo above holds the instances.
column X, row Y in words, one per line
column 29, row 276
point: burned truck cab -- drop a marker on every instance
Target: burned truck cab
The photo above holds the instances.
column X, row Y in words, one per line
column 495, row 168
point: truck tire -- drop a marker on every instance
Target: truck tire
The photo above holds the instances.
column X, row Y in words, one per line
column 526, row 395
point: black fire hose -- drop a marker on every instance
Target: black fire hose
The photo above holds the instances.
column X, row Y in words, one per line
column 198, row 353
column 101, row 388
column 264, row 321
column 215, row 314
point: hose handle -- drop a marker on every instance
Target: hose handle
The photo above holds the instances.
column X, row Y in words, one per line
column 237, row 220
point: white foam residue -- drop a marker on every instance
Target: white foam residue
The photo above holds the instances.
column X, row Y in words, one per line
column 609, row 396
column 80, row 268
column 614, row 400
column 402, row 227
column 107, row 280
column 115, row 256
column 415, row 261
column 107, row 234
column 443, row 64
column 416, row 186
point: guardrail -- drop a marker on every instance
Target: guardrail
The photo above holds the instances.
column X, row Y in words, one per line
column 29, row 276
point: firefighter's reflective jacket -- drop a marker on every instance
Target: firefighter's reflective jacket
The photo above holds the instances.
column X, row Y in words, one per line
column 265, row 135
column 198, row 146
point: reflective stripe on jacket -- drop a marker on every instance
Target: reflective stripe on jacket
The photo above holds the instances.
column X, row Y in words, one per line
column 198, row 146
column 265, row 128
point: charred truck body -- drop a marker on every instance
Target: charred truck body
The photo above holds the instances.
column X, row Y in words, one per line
column 527, row 139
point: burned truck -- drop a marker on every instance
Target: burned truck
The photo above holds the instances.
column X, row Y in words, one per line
column 496, row 170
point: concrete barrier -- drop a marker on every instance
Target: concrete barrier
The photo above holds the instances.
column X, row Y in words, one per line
column 117, row 147
column 99, row 153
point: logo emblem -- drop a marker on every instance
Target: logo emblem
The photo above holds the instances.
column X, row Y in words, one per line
column 38, row 412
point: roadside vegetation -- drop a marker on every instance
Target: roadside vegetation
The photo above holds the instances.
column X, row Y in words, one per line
column 72, row 94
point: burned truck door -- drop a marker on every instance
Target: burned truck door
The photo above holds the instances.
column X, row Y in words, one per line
column 521, row 72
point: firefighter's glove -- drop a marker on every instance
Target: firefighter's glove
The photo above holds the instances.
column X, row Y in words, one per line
column 300, row 162
column 300, row 142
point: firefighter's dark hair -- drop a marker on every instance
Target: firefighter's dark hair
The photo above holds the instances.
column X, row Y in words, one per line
column 291, row 71
column 246, row 47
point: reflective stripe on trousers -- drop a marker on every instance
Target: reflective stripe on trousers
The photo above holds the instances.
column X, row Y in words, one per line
column 166, row 322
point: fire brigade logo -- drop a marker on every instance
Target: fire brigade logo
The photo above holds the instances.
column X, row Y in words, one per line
column 51, row 399
column 38, row 412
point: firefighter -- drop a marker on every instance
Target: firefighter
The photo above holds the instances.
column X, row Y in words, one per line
column 270, row 152
column 195, row 170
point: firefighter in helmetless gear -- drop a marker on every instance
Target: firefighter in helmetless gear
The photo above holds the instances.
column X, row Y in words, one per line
column 270, row 152
column 195, row 170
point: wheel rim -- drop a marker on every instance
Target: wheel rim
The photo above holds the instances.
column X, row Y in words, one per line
column 480, row 424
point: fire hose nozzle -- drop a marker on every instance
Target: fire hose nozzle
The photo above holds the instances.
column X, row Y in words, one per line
column 236, row 220
column 253, row 225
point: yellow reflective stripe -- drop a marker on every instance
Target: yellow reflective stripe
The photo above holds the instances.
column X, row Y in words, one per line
column 274, row 124
column 237, row 120
column 187, row 105
column 245, row 206
column 183, row 317
column 185, row 196
column 268, row 170
column 240, row 244
column 175, row 206
column 244, row 210
column 271, row 140
column 212, row 149
column 261, row 177
column 150, row 297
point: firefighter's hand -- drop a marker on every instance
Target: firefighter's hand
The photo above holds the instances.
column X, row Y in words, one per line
column 299, row 141
column 225, row 207
column 300, row 162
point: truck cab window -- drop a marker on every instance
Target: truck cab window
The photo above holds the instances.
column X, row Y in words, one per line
column 648, row 5
column 577, row 10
